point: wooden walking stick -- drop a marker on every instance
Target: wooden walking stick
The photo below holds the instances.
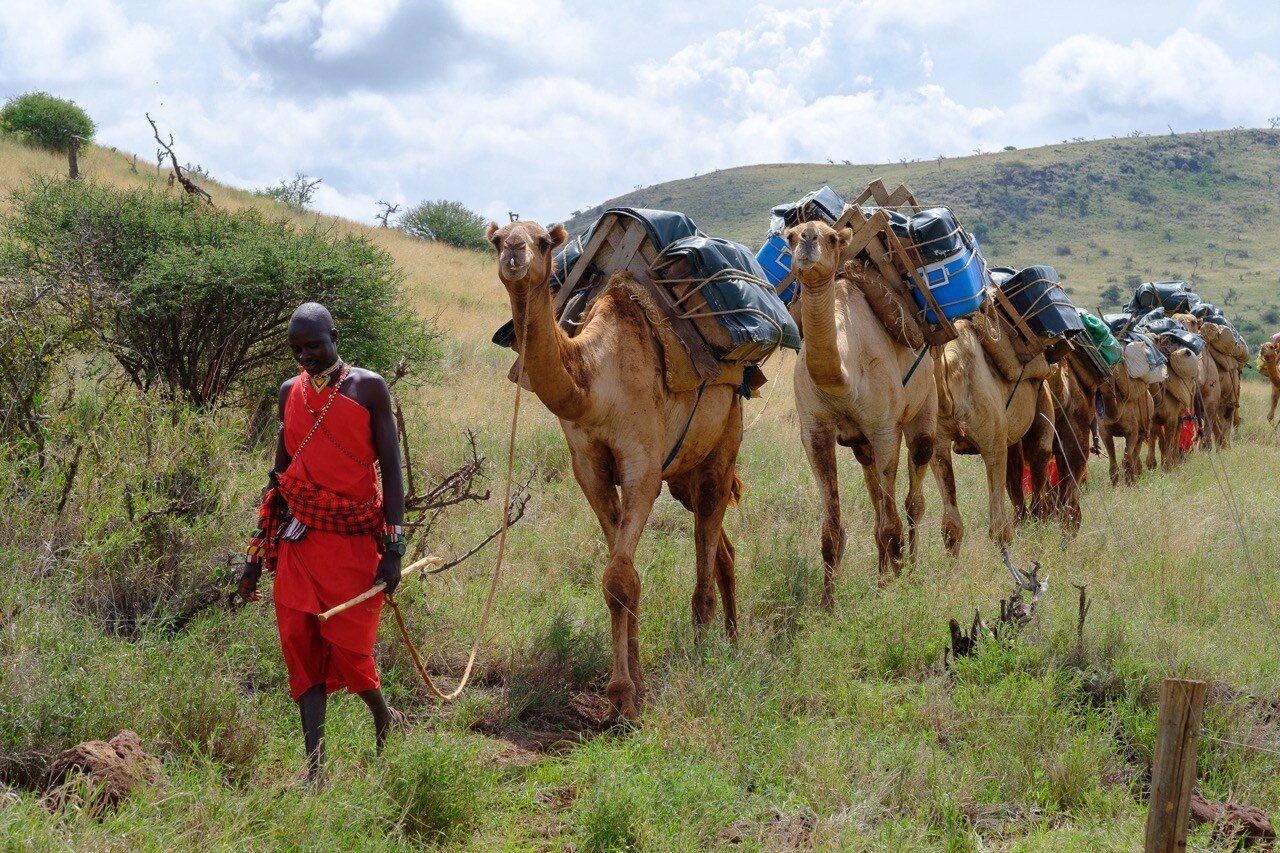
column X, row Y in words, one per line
column 424, row 563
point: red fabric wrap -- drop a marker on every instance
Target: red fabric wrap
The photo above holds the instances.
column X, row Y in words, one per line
column 332, row 488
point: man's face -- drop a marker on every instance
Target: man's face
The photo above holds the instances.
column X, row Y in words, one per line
column 314, row 347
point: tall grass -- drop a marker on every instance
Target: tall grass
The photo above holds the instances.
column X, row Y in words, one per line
column 838, row 731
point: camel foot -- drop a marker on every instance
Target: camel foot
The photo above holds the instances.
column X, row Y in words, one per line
column 828, row 602
column 622, row 699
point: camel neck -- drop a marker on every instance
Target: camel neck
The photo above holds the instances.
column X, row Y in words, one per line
column 821, row 338
column 545, row 350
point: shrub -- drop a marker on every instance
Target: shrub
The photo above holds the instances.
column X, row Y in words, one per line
column 196, row 299
column 297, row 193
column 45, row 120
column 1062, row 251
column 448, row 222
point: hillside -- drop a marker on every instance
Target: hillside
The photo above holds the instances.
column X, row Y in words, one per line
column 1204, row 207
column 814, row 731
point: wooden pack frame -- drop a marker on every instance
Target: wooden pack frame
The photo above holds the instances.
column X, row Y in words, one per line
column 875, row 240
column 620, row 243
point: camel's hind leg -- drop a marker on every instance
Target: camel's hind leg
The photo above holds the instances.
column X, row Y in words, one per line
column 1014, row 463
column 708, row 490
column 820, row 446
column 1113, row 466
column 944, row 473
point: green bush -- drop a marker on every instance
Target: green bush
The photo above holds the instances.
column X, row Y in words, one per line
column 196, row 299
column 448, row 222
column 45, row 120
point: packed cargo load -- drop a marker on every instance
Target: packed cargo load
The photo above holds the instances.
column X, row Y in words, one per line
column 709, row 300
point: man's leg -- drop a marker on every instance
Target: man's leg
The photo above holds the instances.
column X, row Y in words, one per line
column 383, row 715
column 312, row 705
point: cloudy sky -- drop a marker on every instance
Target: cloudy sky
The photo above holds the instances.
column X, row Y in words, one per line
column 549, row 106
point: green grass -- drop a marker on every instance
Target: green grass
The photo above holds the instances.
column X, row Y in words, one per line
column 836, row 731
column 1196, row 206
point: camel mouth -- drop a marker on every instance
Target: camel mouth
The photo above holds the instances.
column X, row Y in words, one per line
column 513, row 268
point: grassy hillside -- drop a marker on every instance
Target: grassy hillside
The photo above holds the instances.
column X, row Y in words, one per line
column 1203, row 207
column 841, row 731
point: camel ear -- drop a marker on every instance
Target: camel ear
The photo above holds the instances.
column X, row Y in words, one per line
column 791, row 235
column 843, row 236
column 558, row 234
column 490, row 231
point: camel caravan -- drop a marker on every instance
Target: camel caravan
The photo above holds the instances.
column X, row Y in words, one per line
column 644, row 335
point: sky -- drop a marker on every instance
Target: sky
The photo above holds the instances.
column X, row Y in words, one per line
column 544, row 108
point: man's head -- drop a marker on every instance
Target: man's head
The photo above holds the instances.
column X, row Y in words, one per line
column 313, row 337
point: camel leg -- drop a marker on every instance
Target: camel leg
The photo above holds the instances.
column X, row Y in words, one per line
column 725, row 560
column 996, row 459
column 1113, row 468
column 944, row 473
column 1275, row 398
column 622, row 587
column 886, row 450
column 919, row 452
column 1013, row 482
column 593, row 469
column 709, row 489
column 820, row 446
column 1153, row 438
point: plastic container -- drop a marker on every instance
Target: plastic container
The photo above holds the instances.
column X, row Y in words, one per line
column 775, row 258
column 956, row 285
column 1044, row 306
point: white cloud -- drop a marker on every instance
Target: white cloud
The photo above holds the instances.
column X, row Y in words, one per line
column 345, row 25
column 288, row 19
column 71, row 43
column 1186, row 75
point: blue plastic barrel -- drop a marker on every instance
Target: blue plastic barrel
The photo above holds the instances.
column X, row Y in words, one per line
column 775, row 257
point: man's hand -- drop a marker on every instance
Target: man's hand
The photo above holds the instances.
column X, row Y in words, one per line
column 388, row 572
column 249, row 582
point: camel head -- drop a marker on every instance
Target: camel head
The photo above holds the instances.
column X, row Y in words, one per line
column 816, row 248
column 1191, row 322
column 524, row 251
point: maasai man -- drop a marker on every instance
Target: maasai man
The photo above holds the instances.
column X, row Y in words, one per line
column 326, row 531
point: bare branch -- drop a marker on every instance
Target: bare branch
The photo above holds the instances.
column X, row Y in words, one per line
column 187, row 184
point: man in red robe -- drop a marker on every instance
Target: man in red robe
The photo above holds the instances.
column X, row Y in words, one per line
column 327, row 530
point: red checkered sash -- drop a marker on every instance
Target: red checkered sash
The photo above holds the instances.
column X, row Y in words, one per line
column 315, row 506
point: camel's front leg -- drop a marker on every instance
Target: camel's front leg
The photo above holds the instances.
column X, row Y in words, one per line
column 944, row 473
column 1132, row 458
column 885, row 452
column 920, row 452
column 1275, row 398
column 622, row 588
column 996, row 460
column 820, row 446
column 1015, row 464
column 594, row 469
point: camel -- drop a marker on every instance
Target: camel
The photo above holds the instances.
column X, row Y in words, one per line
column 606, row 386
column 1208, row 398
column 1269, row 367
column 1127, row 409
column 982, row 412
column 1170, row 400
column 1074, row 418
column 849, row 391
column 1221, row 340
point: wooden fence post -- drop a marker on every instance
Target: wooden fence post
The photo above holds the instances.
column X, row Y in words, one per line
column 73, row 163
column 1173, row 770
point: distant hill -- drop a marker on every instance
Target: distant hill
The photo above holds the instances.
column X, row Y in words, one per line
column 1107, row 214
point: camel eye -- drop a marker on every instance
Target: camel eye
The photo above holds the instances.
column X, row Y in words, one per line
column 544, row 242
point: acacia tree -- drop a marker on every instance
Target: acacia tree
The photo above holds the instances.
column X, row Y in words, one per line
column 46, row 121
column 448, row 222
column 196, row 299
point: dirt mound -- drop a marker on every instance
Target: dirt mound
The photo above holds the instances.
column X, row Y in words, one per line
column 108, row 771
column 1233, row 824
